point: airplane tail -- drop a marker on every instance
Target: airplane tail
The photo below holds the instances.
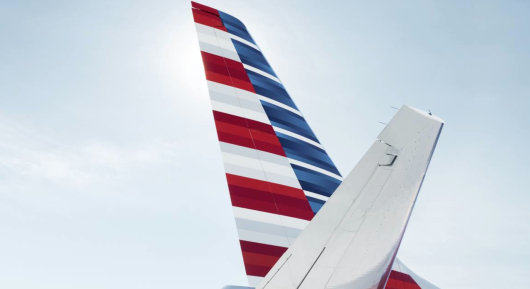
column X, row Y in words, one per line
column 278, row 173
column 354, row 239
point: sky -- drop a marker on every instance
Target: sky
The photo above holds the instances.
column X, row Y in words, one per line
column 110, row 169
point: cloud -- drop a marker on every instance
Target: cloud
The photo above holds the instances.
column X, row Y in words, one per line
column 26, row 154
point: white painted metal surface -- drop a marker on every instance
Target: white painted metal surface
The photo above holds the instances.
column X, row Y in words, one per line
column 352, row 242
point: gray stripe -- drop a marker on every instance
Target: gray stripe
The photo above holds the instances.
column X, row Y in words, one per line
column 282, row 180
column 244, row 172
column 224, row 98
column 207, row 47
column 258, row 237
column 238, row 150
column 251, row 105
column 285, row 175
column 270, row 229
column 275, row 159
column 234, row 100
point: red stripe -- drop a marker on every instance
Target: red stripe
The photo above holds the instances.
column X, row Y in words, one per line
column 268, row 197
column 234, row 119
column 246, row 132
column 239, row 75
column 204, row 8
column 252, row 199
column 233, row 133
column 256, row 270
column 253, row 247
column 260, row 258
column 208, row 19
column 215, row 68
column 399, row 280
column 394, row 283
column 226, row 71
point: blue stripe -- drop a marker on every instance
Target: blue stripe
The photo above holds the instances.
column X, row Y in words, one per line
column 315, row 204
column 288, row 120
column 296, row 149
column 252, row 57
column 235, row 26
column 307, row 153
column 270, row 88
column 315, row 182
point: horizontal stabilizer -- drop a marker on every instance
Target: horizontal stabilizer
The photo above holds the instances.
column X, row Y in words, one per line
column 353, row 241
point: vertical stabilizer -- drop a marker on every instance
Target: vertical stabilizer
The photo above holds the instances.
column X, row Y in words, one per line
column 278, row 173
column 354, row 239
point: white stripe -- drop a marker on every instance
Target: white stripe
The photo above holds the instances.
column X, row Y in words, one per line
column 244, row 41
column 269, row 229
column 270, row 218
column 226, row 44
column 263, row 238
column 243, row 161
column 297, row 136
column 238, row 102
column 279, row 104
column 294, row 222
column 258, row 71
column 316, row 169
column 256, row 164
column 316, row 196
column 216, row 42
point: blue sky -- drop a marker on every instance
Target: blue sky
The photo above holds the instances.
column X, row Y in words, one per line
column 110, row 171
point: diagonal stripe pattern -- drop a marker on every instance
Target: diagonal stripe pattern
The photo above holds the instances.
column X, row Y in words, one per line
column 278, row 173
